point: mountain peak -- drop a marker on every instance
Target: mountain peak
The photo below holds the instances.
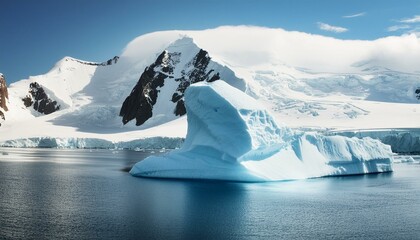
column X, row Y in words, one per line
column 181, row 64
column 185, row 40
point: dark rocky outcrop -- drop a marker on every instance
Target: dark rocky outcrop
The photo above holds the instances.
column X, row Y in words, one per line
column 139, row 104
column 144, row 95
column 4, row 95
column 418, row 93
column 39, row 100
column 111, row 61
column 199, row 73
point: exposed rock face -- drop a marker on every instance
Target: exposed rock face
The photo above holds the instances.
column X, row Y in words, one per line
column 3, row 96
column 40, row 100
column 144, row 95
column 168, row 68
column 418, row 93
column 199, row 73
column 3, row 93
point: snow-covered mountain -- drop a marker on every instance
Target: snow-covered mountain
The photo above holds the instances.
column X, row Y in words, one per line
column 160, row 89
column 305, row 80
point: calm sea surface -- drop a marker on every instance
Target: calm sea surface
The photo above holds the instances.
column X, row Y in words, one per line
column 86, row 194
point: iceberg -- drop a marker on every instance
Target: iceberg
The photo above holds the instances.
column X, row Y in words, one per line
column 232, row 137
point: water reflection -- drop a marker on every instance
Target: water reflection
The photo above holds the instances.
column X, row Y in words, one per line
column 185, row 209
column 214, row 209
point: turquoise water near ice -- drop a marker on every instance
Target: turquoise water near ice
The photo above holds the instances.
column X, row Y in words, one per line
column 88, row 194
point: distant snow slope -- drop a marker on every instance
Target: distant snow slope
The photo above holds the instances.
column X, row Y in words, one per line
column 305, row 80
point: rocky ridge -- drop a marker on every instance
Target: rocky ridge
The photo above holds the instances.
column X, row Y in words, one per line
column 176, row 66
column 4, row 95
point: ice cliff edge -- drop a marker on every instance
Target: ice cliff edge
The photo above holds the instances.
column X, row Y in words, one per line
column 231, row 137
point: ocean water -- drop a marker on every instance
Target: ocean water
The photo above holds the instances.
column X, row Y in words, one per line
column 88, row 194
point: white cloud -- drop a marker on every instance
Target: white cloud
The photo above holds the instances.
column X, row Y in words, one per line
column 415, row 19
column 398, row 27
column 355, row 15
column 330, row 28
column 415, row 30
column 259, row 46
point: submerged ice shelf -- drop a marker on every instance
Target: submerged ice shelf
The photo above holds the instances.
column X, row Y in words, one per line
column 231, row 137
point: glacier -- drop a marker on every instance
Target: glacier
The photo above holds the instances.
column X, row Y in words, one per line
column 94, row 143
column 402, row 141
column 232, row 137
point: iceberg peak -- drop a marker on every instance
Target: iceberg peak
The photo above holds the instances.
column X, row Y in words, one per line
column 222, row 116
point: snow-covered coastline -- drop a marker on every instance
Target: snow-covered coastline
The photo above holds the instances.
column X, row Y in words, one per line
column 402, row 141
column 297, row 76
column 95, row 143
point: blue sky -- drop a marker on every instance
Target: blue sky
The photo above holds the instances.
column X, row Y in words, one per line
column 34, row 35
